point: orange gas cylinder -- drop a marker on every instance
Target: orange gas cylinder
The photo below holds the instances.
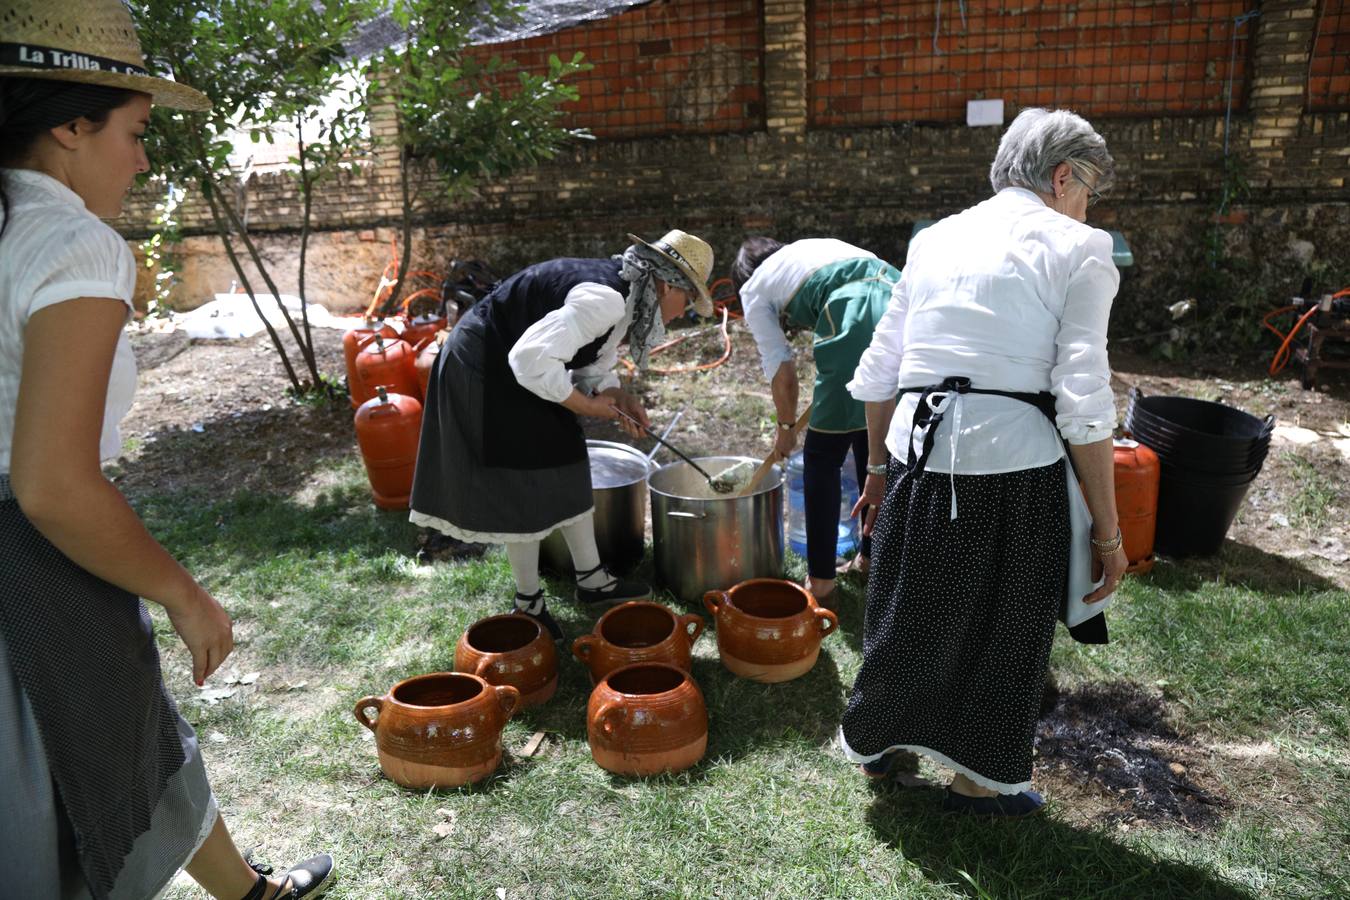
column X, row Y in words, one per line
column 351, row 344
column 385, row 361
column 388, row 427
column 415, row 331
column 426, row 360
column 1137, row 472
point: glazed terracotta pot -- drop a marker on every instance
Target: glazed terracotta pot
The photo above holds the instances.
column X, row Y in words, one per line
column 647, row 718
column 767, row 629
column 638, row 632
column 511, row 649
column 441, row 730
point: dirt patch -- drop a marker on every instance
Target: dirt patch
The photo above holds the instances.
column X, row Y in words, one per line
column 1114, row 747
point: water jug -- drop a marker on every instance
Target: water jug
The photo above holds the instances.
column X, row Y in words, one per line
column 847, row 530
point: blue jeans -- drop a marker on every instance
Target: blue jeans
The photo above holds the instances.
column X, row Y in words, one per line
column 823, row 456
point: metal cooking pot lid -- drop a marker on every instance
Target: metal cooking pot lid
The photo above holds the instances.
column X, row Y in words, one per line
column 612, row 467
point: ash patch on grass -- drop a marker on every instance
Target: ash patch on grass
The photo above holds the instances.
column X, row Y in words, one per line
column 1115, row 738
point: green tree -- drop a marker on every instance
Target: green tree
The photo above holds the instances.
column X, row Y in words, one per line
column 266, row 66
column 464, row 117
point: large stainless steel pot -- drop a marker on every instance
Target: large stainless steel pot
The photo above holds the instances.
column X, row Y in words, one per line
column 703, row 541
column 618, row 484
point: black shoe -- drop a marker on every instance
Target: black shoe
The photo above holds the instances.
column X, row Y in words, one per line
column 615, row 590
column 308, row 879
column 897, row 762
column 1011, row 806
column 542, row 616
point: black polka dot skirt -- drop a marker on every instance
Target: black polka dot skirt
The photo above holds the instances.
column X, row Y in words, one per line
column 960, row 617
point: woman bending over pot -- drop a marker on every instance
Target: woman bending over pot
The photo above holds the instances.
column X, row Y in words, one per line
column 995, row 339
column 838, row 291
column 104, row 792
column 502, row 456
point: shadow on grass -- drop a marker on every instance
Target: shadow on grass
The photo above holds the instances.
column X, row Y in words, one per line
column 1238, row 564
column 250, row 527
column 275, row 449
column 1036, row 857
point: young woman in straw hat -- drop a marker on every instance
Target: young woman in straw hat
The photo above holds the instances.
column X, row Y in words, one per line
column 502, row 457
column 105, row 794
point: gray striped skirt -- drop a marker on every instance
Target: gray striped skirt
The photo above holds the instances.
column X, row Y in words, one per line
column 106, row 794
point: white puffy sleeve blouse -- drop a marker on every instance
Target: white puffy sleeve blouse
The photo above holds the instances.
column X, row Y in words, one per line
column 539, row 356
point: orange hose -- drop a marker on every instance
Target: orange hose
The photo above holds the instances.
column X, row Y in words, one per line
column 1281, row 358
column 679, row 370
column 386, row 283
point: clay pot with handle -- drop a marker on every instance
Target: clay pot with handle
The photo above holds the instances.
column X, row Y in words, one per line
column 514, row 650
column 439, row 731
column 645, row 719
column 636, row 632
column 768, row 629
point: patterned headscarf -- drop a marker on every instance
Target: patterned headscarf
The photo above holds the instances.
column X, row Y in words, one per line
column 642, row 266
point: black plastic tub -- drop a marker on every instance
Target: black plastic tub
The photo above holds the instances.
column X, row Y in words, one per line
column 1209, row 455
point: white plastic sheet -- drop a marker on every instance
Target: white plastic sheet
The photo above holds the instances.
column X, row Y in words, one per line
column 231, row 316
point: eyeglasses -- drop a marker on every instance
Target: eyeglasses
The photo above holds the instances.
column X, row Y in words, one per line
column 1093, row 194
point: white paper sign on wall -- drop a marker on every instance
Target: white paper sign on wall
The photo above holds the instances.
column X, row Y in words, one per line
column 984, row 112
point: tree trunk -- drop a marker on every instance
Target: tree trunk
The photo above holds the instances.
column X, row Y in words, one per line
column 208, row 190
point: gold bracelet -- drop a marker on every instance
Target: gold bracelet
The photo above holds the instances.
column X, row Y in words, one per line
column 1107, row 547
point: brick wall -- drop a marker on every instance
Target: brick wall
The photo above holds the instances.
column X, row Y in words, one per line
column 915, row 60
column 687, row 66
column 1329, row 67
column 864, row 183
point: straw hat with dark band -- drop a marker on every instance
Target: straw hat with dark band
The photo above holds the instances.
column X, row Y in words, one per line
column 692, row 256
column 85, row 41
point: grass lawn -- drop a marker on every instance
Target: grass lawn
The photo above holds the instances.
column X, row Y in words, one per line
column 1247, row 653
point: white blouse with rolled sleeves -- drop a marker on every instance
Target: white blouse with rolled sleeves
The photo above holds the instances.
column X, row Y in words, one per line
column 55, row 250
column 1016, row 297
column 776, row 281
column 539, row 356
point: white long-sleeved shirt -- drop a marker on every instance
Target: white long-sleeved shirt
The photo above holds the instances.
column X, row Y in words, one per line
column 54, row 249
column 540, row 354
column 1016, row 297
column 776, row 281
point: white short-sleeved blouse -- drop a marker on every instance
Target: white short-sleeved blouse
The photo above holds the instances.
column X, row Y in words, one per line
column 54, row 249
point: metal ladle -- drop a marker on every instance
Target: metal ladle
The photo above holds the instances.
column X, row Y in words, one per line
column 718, row 486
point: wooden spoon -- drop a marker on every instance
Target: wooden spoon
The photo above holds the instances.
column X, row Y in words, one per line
column 773, row 457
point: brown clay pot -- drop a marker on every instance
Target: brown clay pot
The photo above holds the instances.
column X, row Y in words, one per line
column 645, row 719
column 638, row 632
column 438, row 731
column 511, row 649
column 768, row 629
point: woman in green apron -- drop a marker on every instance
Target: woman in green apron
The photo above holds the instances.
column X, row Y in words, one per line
column 839, row 292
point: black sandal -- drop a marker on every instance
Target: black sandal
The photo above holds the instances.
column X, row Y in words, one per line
column 616, row 590
column 542, row 616
column 309, row 879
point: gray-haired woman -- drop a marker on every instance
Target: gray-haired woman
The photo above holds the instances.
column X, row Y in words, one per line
column 995, row 339
column 502, row 457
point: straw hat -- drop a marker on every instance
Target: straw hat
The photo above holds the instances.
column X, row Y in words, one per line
column 692, row 256
column 86, row 41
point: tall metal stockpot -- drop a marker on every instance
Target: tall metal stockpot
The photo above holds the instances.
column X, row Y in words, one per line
column 703, row 541
column 618, row 484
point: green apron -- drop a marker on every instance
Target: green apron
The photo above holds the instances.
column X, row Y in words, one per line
column 842, row 303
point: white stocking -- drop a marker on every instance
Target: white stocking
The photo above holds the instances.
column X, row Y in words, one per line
column 580, row 537
column 524, row 559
